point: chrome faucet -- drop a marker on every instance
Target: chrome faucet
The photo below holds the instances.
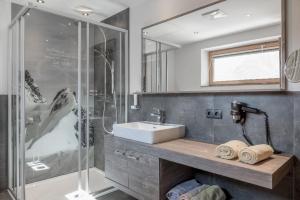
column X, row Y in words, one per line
column 159, row 114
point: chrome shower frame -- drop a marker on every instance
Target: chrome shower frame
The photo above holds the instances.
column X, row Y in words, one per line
column 18, row 193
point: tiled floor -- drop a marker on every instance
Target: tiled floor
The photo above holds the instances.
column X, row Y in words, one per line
column 4, row 196
column 117, row 195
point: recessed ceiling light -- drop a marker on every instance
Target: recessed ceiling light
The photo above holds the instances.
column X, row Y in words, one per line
column 40, row 1
column 215, row 14
column 85, row 11
column 248, row 15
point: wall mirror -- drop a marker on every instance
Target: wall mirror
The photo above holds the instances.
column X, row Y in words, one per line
column 231, row 45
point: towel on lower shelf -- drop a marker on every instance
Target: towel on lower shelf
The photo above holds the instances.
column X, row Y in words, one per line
column 193, row 192
column 182, row 188
column 255, row 154
column 211, row 193
column 230, row 149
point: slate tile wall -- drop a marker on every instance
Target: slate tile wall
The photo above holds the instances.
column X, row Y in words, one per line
column 120, row 20
column 3, row 141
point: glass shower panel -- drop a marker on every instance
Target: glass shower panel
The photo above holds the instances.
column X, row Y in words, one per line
column 14, row 110
column 51, row 104
column 107, row 94
column 86, row 86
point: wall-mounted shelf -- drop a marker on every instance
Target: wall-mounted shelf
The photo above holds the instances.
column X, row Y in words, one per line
column 201, row 156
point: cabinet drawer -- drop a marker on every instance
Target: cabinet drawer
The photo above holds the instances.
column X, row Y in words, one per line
column 116, row 173
column 130, row 164
column 116, row 166
column 137, row 167
column 142, row 158
column 117, row 158
column 115, row 143
column 144, row 187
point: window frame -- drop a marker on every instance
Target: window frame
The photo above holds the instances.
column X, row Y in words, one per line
column 266, row 46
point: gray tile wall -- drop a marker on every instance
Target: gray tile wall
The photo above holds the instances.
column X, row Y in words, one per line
column 3, row 141
column 283, row 109
column 120, row 19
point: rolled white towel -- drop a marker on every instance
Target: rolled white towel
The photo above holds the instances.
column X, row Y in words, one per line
column 230, row 149
column 255, row 154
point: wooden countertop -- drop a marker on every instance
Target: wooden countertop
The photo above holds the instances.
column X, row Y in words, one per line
column 201, row 155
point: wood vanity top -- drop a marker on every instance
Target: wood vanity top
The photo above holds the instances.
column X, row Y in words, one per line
column 201, row 155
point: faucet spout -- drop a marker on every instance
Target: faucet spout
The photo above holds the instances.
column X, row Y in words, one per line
column 159, row 114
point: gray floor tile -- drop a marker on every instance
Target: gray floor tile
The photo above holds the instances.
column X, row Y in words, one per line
column 4, row 196
column 117, row 195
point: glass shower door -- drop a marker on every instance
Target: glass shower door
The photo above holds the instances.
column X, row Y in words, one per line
column 52, row 105
column 14, row 110
column 107, row 97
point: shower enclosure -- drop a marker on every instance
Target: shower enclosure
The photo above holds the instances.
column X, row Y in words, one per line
column 68, row 86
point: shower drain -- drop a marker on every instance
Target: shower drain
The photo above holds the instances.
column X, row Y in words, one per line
column 37, row 166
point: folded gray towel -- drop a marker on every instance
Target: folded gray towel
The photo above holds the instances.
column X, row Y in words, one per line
column 193, row 192
column 211, row 193
column 182, row 188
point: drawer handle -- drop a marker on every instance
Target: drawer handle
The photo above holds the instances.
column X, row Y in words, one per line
column 132, row 157
column 119, row 152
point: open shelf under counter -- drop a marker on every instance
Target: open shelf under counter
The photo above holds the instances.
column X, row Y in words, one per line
column 201, row 156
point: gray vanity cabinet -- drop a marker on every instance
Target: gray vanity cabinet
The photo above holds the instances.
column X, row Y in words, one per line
column 130, row 165
column 148, row 172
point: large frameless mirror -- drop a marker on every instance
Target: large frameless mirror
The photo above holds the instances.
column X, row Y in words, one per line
column 226, row 46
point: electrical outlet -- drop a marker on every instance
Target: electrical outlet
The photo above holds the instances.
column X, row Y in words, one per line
column 214, row 113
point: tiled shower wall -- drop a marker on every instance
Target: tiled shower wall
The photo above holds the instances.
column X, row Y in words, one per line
column 283, row 109
column 3, row 141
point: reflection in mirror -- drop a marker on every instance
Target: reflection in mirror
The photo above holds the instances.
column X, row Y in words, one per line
column 158, row 58
column 230, row 44
column 292, row 67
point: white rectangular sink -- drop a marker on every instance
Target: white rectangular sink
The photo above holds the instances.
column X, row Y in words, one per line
column 148, row 132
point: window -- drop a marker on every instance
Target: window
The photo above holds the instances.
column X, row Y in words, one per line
column 251, row 64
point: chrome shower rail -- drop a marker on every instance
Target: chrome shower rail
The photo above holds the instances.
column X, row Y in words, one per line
column 30, row 5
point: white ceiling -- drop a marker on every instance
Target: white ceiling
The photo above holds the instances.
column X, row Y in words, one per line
column 242, row 15
column 102, row 8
